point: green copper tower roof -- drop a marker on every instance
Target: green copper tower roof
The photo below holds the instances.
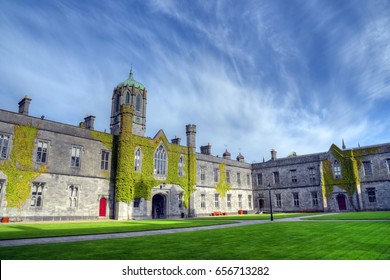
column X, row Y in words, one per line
column 131, row 82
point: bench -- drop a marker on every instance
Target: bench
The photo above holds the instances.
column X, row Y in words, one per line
column 218, row 213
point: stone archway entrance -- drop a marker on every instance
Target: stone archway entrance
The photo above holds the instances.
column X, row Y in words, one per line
column 341, row 202
column 159, row 206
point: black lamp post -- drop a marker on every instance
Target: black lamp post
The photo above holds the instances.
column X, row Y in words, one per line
column 270, row 202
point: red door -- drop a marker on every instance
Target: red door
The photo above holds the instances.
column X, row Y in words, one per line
column 102, row 207
column 341, row 202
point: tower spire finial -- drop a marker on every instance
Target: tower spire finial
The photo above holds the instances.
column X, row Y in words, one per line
column 131, row 72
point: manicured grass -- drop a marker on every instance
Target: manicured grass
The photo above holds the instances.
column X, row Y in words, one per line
column 269, row 241
column 380, row 215
column 259, row 216
column 12, row 231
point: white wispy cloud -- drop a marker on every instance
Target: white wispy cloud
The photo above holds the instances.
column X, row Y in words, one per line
column 253, row 76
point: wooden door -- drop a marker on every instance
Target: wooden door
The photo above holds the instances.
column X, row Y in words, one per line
column 341, row 202
column 102, row 207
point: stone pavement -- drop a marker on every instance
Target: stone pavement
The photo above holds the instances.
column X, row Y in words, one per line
column 62, row 239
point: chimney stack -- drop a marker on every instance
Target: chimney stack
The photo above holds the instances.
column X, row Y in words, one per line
column 89, row 122
column 176, row 140
column 273, row 154
column 24, row 104
column 205, row 150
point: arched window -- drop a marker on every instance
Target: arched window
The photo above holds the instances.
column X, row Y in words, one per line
column 138, row 103
column 117, row 102
column 160, row 161
column 127, row 97
column 137, row 160
column 181, row 166
column 336, row 169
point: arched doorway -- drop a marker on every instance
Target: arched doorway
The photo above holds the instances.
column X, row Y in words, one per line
column 102, row 207
column 158, row 206
column 341, row 202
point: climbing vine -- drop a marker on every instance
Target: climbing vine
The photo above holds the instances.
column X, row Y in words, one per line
column 19, row 168
column 222, row 187
column 131, row 183
column 108, row 142
column 105, row 138
column 350, row 163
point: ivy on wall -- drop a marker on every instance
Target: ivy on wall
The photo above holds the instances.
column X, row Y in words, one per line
column 108, row 142
column 222, row 187
column 130, row 183
column 19, row 168
column 350, row 163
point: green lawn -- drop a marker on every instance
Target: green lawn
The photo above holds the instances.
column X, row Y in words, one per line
column 30, row 230
column 380, row 215
column 270, row 241
column 258, row 216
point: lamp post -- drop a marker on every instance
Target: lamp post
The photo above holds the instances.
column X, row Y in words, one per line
column 270, row 202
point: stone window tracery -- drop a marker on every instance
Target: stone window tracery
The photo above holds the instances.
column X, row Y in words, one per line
column 160, row 161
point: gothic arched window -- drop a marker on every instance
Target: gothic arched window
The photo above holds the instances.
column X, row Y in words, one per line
column 137, row 160
column 138, row 103
column 160, row 161
column 127, row 98
column 181, row 166
column 117, row 102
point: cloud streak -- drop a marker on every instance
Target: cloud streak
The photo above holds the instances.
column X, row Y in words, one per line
column 253, row 77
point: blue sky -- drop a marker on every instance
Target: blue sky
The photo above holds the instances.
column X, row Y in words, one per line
column 252, row 75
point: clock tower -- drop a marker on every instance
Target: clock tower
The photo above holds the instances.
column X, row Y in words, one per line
column 133, row 93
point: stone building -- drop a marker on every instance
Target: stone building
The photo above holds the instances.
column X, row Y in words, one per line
column 56, row 171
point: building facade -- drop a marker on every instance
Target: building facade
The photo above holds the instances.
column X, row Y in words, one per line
column 55, row 171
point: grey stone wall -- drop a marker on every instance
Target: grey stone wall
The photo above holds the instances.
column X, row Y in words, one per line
column 294, row 178
column 92, row 183
column 206, row 186
column 56, row 199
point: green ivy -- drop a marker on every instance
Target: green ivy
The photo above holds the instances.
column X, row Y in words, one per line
column 350, row 163
column 130, row 183
column 222, row 187
column 19, row 168
column 107, row 140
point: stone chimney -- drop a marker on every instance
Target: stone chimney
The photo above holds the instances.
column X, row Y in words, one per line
column 176, row 140
column 205, row 150
column 226, row 155
column 24, row 104
column 273, row 154
column 89, row 122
